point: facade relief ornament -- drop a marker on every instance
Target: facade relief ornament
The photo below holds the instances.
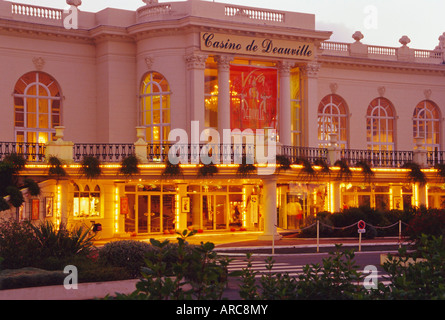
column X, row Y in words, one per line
column 334, row 88
column 428, row 93
column 381, row 90
column 149, row 62
column 39, row 63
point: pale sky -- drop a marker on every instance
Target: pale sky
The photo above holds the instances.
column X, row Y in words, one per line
column 382, row 22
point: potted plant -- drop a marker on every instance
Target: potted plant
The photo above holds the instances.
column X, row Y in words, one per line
column 90, row 167
column 440, row 167
column 366, row 170
column 283, row 162
column 307, row 169
column 207, row 170
column 345, row 172
column 129, row 166
column 172, row 170
column 246, row 167
column 415, row 173
column 323, row 165
column 56, row 169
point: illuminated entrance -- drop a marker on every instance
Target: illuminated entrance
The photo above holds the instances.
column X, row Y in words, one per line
column 151, row 208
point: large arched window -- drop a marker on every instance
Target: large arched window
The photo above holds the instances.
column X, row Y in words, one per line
column 426, row 124
column 37, row 108
column 333, row 119
column 86, row 202
column 155, row 107
column 380, row 125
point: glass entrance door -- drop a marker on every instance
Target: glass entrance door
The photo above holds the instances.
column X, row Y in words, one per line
column 149, row 213
column 214, row 211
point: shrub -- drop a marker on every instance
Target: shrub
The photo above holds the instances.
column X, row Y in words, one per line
column 18, row 245
column 29, row 277
column 428, row 222
column 416, row 276
column 60, row 243
column 25, row 245
column 127, row 254
column 196, row 273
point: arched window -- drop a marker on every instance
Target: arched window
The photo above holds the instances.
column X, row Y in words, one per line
column 155, row 107
column 426, row 124
column 380, row 125
column 86, row 202
column 37, row 108
column 333, row 119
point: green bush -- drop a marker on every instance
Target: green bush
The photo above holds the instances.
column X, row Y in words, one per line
column 23, row 244
column 18, row 245
column 127, row 254
column 343, row 224
column 427, row 222
column 416, row 276
column 336, row 278
column 196, row 273
column 29, row 277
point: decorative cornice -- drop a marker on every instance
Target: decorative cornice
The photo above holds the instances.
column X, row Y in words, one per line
column 382, row 64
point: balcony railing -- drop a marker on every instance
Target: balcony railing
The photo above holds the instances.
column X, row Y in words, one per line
column 32, row 152
column 233, row 153
column 105, row 152
column 378, row 159
column 435, row 157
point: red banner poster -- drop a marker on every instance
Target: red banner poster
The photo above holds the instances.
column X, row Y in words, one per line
column 124, row 205
column 253, row 97
column 35, row 205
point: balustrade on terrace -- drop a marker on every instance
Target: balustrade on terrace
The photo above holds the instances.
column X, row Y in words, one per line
column 158, row 153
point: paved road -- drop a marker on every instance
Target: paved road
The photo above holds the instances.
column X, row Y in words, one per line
column 293, row 264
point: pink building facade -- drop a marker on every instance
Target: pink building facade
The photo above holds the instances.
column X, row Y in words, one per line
column 116, row 82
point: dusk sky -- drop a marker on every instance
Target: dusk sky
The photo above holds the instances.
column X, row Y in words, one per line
column 383, row 22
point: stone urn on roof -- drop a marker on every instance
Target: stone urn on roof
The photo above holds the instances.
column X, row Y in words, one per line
column 150, row 2
column 75, row 3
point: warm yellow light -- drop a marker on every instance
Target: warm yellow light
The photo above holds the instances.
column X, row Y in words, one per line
column 391, row 199
column 177, row 210
column 331, row 196
column 244, row 215
column 59, row 206
column 116, row 210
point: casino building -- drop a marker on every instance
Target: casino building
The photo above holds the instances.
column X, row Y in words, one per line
column 117, row 83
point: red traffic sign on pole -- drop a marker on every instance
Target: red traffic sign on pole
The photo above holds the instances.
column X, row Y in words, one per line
column 361, row 225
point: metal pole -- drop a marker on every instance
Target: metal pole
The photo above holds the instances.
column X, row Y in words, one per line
column 400, row 234
column 360, row 242
column 318, row 236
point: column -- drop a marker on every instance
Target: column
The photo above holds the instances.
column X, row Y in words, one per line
column 195, row 88
column 270, row 209
column 285, row 115
column 223, row 92
column 310, row 103
column 181, row 214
